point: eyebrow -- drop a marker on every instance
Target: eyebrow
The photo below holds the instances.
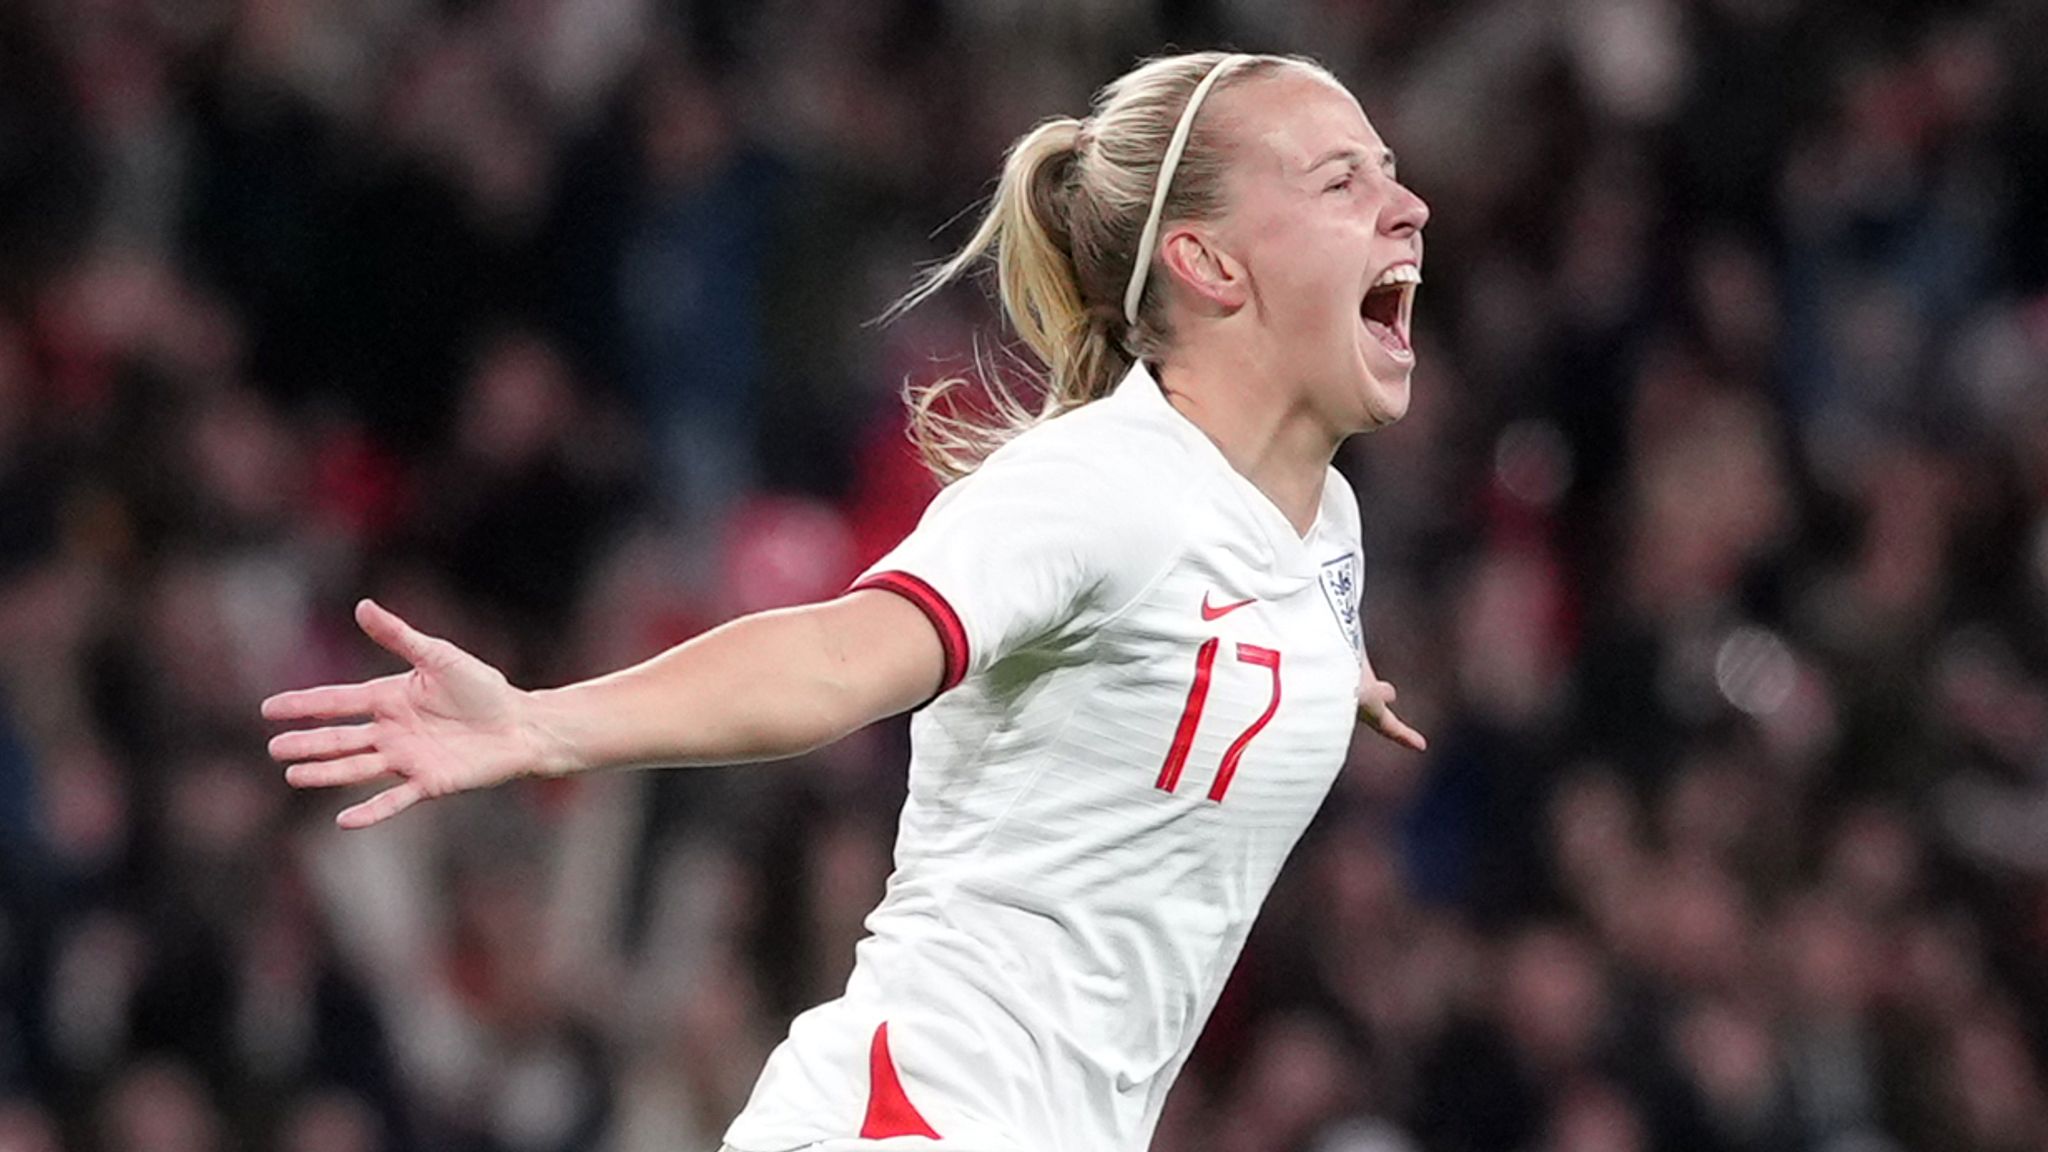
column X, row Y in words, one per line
column 1355, row 157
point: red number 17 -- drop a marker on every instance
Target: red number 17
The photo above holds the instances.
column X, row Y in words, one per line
column 1191, row 717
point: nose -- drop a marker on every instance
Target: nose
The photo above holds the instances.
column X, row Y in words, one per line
column 1406, row 215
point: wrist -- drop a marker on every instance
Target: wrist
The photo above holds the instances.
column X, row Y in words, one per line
column 548, row 730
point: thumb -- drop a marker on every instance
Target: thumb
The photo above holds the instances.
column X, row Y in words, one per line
column 393, row 634
column 1377, row 693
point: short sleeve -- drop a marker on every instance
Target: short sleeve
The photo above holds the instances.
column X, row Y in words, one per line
column 1029, row 545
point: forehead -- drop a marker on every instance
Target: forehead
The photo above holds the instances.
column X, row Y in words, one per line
column 1284, row 124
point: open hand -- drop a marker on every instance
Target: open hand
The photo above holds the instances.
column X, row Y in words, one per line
column 451, row 724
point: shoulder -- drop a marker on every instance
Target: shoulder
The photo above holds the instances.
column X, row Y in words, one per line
column 1098, row 499
column 1110, row 465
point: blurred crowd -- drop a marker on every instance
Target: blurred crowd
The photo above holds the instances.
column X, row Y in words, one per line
column 1713, row 557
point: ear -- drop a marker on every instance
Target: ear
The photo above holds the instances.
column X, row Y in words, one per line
column 1201, row 266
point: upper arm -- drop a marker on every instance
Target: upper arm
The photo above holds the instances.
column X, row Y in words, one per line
column 883, row 655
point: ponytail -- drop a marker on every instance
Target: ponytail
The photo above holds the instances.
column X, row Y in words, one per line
column 1027, row 230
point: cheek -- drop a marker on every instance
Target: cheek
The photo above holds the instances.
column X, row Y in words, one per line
column 1308, row 267
column 1310, row 285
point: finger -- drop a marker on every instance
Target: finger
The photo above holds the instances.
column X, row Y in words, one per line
column 322, row 743
column 1393, row 728
column 383, row 806
column 328, row 702
column 337, row 773
column 393, row 634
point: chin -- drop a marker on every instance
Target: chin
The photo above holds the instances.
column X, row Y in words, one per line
column 1385, row 398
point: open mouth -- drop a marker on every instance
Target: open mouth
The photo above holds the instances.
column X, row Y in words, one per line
column 1388, row 305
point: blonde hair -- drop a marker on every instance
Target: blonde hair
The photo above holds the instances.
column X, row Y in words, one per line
column 1063, row 230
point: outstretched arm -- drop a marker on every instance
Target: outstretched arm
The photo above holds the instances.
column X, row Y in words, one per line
column 762, row 687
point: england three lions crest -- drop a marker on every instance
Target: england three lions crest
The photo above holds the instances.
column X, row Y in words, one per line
column 1340, row 587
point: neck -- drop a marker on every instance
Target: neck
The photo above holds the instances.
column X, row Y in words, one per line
column 1265, row 429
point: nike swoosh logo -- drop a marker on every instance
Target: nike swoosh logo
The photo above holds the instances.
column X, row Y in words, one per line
column 1219, row 611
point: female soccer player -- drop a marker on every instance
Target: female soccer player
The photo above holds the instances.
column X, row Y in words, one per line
column 1132, row 620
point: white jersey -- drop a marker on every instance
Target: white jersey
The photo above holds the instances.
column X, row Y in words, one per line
column 1151, row 683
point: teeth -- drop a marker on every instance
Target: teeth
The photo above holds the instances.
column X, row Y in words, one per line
column 1399, row 274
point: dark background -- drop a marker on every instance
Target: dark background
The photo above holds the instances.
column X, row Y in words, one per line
column 1713, row 557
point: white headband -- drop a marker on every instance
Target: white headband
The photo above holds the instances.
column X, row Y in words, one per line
column 1150, row 236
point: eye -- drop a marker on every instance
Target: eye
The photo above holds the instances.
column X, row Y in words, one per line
column 1339, row 185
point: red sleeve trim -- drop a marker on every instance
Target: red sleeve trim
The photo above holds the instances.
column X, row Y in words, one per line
column 952, row 635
